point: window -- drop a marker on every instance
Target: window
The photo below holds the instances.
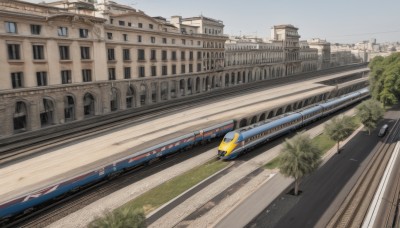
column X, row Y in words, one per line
column 173, row 41
column 125, row 37
column 41, row 78
column 38, row 51
column 190, row 68
column 121, row 23
column 111, row 21
column 14, row 51
column 111, row 73
column 83, row 33
column 140, row 25
column 191, row 42
column 164, row 70
column 66, row 76
column 198, row 67
column 173, row 69
column 11, row 27
column 126, row 54
column 152, row 39
column 129, row 24
column 62, row 31
column 141, row 72
column 141, row 54
column 198, row 43
column 153, row 71
column 86, row 75
column 110, row 54
column 109, row 36
column 64, row 52
column 127, row 72
column 191, row 55
column 164, row 55
column 183, row 55
column 35, row 29
column 173, row 55
column 183, row 41
column 85, row 52
column 153, row 55
column 151, row 26
column 198, row 55
column 183, row 69
column 139, row 38
column 164, row 40
column 17, row 80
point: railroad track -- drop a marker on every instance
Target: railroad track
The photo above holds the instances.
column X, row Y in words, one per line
column 29, row 143
column 355, row 207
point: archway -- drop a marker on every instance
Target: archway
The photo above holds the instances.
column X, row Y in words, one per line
column 253, row 120
column 88, row 105
column 154, row 92
column 198, row 85
column 279, row 112
column 130, row 97
column 114, row 104
column 164, row 90
column 46, row 112
column 190, row 86
column 69, row 108
column 262, row 117
column 182, row 87
column 243, row 123
column 20, row 117
column 143, row 94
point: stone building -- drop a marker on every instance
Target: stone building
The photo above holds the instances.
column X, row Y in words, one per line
column 324, row 52
column 308, row 57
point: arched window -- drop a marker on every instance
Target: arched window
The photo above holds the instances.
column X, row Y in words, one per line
column 20, row 117
column 69, row 108
column 88, row 105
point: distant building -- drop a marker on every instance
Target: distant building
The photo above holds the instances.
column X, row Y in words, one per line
column 324, row 52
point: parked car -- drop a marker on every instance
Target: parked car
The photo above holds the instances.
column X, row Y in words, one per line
column 383, row 130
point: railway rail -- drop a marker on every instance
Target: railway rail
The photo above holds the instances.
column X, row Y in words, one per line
column 355, row 207
column 29, row 143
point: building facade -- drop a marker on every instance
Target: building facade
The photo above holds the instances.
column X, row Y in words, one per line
column 71, row 60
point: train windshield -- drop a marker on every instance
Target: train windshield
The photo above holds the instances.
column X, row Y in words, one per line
column 229, row 137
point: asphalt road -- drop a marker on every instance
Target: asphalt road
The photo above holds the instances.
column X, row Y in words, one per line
column 323, row 192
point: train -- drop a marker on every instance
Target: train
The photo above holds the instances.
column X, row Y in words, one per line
column 25, row 203
column 234, row 143
column 244, row 139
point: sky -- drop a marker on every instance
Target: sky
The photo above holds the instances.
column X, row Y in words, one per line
column 337, row 21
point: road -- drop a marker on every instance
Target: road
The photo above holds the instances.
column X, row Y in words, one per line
column 323, row 192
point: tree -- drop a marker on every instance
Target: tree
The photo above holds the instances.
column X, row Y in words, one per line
column 339, row 128
column 121, row 218
column 370, row 112
column 384, row 78
column 299, row 158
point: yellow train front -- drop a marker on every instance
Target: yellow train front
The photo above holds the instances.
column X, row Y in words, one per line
column 229, row 147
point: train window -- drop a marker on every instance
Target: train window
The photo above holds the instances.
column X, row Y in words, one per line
column 227, row 139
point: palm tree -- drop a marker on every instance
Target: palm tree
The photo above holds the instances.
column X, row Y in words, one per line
column 338, row 129
column 299, row 158
column 121, row 218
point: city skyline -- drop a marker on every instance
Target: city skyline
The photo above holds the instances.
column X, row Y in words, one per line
column 357, row 22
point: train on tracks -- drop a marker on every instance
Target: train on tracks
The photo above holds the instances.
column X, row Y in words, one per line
column 25, row 203
column 234, row 143
column 244, row 139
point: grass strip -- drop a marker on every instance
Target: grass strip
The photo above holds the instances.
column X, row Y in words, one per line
column 163, row 193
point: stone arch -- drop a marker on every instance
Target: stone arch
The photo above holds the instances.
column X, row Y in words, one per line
column 226, row 80
column 114, row 99
column 244, row 77
column 130, row 97
column 238, row 78
column 279, row 112
column 232, row 82
column 288, row 109
column 164, row 90
column 198, row 85
column 243, row 122
column 208, row 83
column 153, row 88
column 20, row 117
column 270, row 115
column 253, row 120
column 212, row 82
column 262, row 117
column 143, row 94
column 189, row 86
column 47, row 111
column 173, row 89
column 88, row 105
column 69, row 108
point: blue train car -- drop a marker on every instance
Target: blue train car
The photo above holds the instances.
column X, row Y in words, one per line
column 25, row 202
